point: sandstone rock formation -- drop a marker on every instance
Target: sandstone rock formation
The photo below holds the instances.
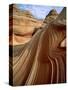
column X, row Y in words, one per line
column 22, row 23
column 42, row 60
column 52, row 15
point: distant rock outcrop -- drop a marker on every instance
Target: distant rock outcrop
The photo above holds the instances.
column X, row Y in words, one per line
column 19, row 12
column 51, row 16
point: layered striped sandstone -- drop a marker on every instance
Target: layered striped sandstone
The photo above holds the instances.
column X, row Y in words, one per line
column 22, row 24
column 42, row 60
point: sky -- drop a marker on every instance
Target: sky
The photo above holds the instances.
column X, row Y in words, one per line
column 39, row 11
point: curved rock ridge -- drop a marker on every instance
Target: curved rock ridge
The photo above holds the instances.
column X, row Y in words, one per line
column 16, row 11
column 42, row 60
column 21, row 22
column 52, row 15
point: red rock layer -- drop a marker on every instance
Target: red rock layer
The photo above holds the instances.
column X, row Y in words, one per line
column 42, row 61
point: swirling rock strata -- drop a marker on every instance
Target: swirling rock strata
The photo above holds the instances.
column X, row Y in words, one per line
column 22, row 24
column 41, row 60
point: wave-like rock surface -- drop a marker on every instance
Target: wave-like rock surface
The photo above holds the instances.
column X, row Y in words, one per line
column 22, row 25
column 41, row 60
